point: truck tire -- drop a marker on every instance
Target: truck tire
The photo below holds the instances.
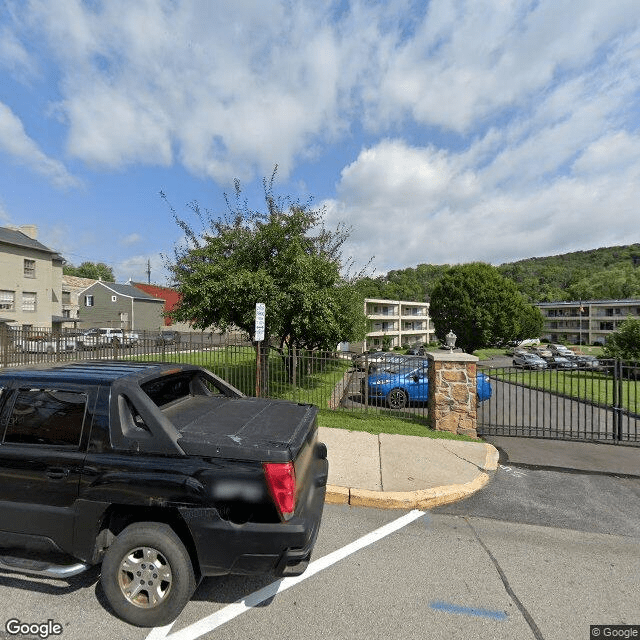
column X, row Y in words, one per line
column 147, row 575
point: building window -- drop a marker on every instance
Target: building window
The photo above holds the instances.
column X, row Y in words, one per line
column 66, row 297
column 7, row 300
column 29, row 301
column 29, row 268
column 66, row 313
column 88, row 301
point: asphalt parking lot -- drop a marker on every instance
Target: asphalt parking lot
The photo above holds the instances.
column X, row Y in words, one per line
column 538, row 553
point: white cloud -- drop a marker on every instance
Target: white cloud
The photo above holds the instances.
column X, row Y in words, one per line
column 496, row 129
column 13, row 55
column 135, row 268
column 226, row 89
column 470, row 60
column 16, row 143
column 5, row 219
column 412, row 205
column 231, row 89
column 132, row 238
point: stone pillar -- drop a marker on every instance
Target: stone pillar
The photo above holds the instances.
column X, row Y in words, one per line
column 452, row 392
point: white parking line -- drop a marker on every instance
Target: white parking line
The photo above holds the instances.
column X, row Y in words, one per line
column 239, row 607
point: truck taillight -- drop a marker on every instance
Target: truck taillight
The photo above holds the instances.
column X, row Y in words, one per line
column 281, row 480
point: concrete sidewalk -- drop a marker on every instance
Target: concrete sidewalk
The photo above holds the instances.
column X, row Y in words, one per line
column 403, row 472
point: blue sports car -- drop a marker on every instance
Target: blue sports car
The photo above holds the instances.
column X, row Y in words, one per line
column 411, row 384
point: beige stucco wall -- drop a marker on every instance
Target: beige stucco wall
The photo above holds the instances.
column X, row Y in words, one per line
column 47, row 285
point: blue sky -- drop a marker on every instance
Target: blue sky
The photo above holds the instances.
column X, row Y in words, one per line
column 442, row 131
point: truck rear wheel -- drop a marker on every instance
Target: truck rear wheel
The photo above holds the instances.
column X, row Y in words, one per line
column 147, row 574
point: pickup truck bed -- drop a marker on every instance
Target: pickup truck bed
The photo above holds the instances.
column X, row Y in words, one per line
column 249, row 428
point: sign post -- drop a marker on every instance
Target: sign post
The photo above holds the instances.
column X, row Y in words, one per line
column 259, row 337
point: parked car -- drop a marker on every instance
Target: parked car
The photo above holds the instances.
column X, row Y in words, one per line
column 561, row 350
column 543, row 352
column 168, row 337
column 108, row 336
column 416, row 351
column 411, row 384
column 586, row 362
column 528, row 360
column 560, row 362
column 378, row 361
column 45, row 343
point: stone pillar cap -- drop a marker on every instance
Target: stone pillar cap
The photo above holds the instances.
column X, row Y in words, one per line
column 447, row 356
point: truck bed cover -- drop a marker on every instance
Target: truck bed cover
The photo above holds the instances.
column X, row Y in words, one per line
column 242, row 428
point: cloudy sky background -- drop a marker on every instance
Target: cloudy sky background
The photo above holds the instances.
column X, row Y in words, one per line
column 442, row 132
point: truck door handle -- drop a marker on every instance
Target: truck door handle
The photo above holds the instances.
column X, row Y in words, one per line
column 57, row 473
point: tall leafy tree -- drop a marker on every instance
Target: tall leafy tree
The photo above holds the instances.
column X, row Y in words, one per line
column 625, row 342
column 282, row 256
column 93, row 270
column 481, row 307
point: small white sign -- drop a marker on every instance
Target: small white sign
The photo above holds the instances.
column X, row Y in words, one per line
column 260, row 316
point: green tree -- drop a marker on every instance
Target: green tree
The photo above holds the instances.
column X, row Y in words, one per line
column 283, row 257
column 625, row 342
column 481, row 307
column 93, row 270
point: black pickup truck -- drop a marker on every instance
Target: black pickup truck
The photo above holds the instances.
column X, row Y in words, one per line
column 163, row 473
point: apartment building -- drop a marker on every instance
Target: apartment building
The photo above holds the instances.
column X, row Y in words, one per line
column 399, row 322
column 585, row 321
column 30, row 280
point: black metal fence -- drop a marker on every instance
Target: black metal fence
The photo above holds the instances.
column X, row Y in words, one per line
column 333, row 380
column 598, row 405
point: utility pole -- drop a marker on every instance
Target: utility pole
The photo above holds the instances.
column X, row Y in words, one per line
column 148, row 271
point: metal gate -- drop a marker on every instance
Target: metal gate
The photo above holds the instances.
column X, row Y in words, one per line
column 598, row 405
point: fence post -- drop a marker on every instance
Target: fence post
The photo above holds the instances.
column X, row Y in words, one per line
column 617, row 400
column 4, row 341
column 294, row 377
column 452, row 393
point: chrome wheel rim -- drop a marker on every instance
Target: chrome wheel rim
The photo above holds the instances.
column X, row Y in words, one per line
column 145, row 577
column 397, row 399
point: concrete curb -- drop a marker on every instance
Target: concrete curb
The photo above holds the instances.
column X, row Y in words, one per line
column 421, row 499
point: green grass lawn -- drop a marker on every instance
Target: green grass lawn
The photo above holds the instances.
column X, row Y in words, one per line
column 588, row 386
column 377, row 423
column 487, row 354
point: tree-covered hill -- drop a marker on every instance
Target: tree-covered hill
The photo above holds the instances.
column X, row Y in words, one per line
column 607, row 273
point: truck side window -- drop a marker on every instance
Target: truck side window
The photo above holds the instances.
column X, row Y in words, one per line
column 46, row 417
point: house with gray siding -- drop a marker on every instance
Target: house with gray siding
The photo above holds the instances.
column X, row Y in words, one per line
column 121, row 306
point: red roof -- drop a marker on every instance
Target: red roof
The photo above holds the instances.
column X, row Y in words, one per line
column 170, row 296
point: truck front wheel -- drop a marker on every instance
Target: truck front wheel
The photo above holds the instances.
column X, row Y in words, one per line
column 147, row 575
